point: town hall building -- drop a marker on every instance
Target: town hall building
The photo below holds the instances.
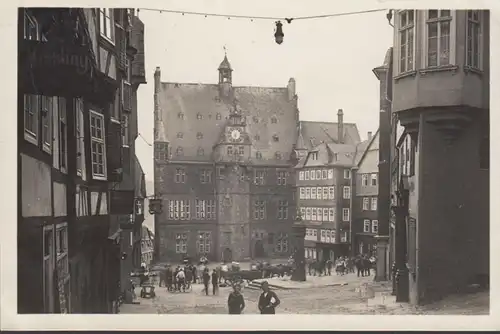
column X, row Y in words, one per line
column 223, row 163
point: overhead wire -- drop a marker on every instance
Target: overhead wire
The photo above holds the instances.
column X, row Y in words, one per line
column 256, row 17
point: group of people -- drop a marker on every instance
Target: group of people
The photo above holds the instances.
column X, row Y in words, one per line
column 342, row 265
column 179, row 278
column 268, row 300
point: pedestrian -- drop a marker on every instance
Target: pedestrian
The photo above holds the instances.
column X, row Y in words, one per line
column 181, row 280
column 268, row 300
column 329, row 267
column 215, row 282
column 195, row 277
column 359, row 266
column 206, row 280
column 235, row 301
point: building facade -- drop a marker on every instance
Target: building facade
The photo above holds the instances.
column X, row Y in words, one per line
column 70, row 136
column 224, row 158
column 441, row 97
column 324, row 193
column 365, row 221
column 147, row 247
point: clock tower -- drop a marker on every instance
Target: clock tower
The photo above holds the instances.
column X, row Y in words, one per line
column 234, row 144
column 233, row 188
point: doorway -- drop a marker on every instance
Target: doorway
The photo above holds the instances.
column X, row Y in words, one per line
column 227, row 255
column 259, row 249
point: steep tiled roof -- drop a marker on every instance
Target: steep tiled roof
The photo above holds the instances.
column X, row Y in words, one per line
column 139, row 179
column 330, row 154
column 314, row 133
column 137, row 41
column 367, row 158
column 194, row 116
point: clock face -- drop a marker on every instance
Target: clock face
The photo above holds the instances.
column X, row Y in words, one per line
column 235, row 134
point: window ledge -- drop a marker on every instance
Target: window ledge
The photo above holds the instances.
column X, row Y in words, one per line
column 469, row 69
column 405, row 74
column 107, row 39
column 30, row 137
column 46, row 148
column 99, row 177
column 114, row 120
column 447, row 68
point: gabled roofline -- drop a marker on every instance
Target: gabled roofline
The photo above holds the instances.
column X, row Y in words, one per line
column 368, row 147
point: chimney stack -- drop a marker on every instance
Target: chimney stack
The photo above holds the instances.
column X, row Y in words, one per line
column 369, row 135
column 340, row 122
column 291, row 89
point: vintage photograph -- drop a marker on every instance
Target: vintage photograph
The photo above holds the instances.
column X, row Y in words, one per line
column 188, row 159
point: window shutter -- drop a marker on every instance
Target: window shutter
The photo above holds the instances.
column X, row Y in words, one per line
column 114, row 152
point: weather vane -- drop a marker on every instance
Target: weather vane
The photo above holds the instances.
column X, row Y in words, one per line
column 225, row 50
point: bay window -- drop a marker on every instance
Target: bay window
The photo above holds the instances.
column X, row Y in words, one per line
column 406, row 33
column 438, row 24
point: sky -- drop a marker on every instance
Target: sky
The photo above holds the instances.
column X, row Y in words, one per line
column 331, row 59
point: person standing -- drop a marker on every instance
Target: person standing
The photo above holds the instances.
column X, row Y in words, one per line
column 206, row 280
column 215, row 282
column 195, row 277
column 268, row 300
column 235, row 301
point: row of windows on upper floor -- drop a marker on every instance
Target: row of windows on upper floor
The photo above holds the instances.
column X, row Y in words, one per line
column 321, row 174
column 45, row 125
column 440, row 44
column 370, row 203
column 324, row 193
column 230, row 150
column 206, row 176
column 199, row 136
column 323, row 214
column 218, row 116
column 206, row 210
column 326, row 235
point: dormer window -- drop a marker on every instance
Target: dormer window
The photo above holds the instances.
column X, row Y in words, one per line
column 274, row 120
column 199, row 116
column 276, row 138
column 199, row 135
column 256, row 137
column 258, row 155
column 179, row 151
column 201, row 151
column 180, row 115
column 335, row 157
column 255, row 119
column 314, row 155
column 180, row 135
column 278, row 155
column 218, row 116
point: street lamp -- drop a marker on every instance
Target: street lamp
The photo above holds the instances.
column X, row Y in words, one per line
column 299, row 232
column 278, row 35
column 400, row 277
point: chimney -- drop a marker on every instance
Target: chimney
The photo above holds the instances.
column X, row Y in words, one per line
column 291, row 89
column 369, row 135
column 340, row 122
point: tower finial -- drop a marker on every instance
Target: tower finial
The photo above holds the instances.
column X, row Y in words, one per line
column 225, row 50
